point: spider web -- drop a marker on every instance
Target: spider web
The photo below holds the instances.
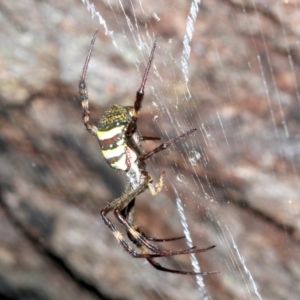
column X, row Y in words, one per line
column 141, row 38
column 134, row 30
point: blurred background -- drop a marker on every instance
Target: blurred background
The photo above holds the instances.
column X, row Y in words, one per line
column 235, row 180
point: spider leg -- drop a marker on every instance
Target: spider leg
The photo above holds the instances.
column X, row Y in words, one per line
column 123, row 201
column 128, row 212
column 166, row 145
column 133, row 233
column 162, row 240
column 123, row 211
column 149, row 138
column 140, row 95
column 121, row 240
column 140, row 240
column 159, row 267
column 125, row 217
column 118, row 205
column 83, row 91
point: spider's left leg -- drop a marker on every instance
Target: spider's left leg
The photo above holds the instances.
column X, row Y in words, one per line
column 122, row 202
column 133, row 233
column 159, row 267
column 149, row 138
column 83, row 92
column 125, row 199
column 128, row 212
column 141, row 241
column 140, row 95
column 124, row 213
column 165, row 145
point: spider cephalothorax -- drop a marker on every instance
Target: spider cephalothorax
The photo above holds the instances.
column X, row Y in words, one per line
column 120, row 143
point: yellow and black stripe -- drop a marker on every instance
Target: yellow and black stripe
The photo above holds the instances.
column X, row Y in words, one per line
column 111, row 135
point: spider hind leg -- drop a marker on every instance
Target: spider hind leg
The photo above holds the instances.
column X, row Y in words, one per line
column 141, row 241
column 159, row 267
column 152, row 239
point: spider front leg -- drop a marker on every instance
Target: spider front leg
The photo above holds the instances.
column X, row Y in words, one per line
column 165, row 145
column 149, row 138
column 83, row 92
column 140, row 96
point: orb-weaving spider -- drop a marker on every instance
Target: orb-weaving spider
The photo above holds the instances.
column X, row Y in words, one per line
column 120, row 144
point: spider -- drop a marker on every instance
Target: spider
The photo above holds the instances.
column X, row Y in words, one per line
column 120, row 143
